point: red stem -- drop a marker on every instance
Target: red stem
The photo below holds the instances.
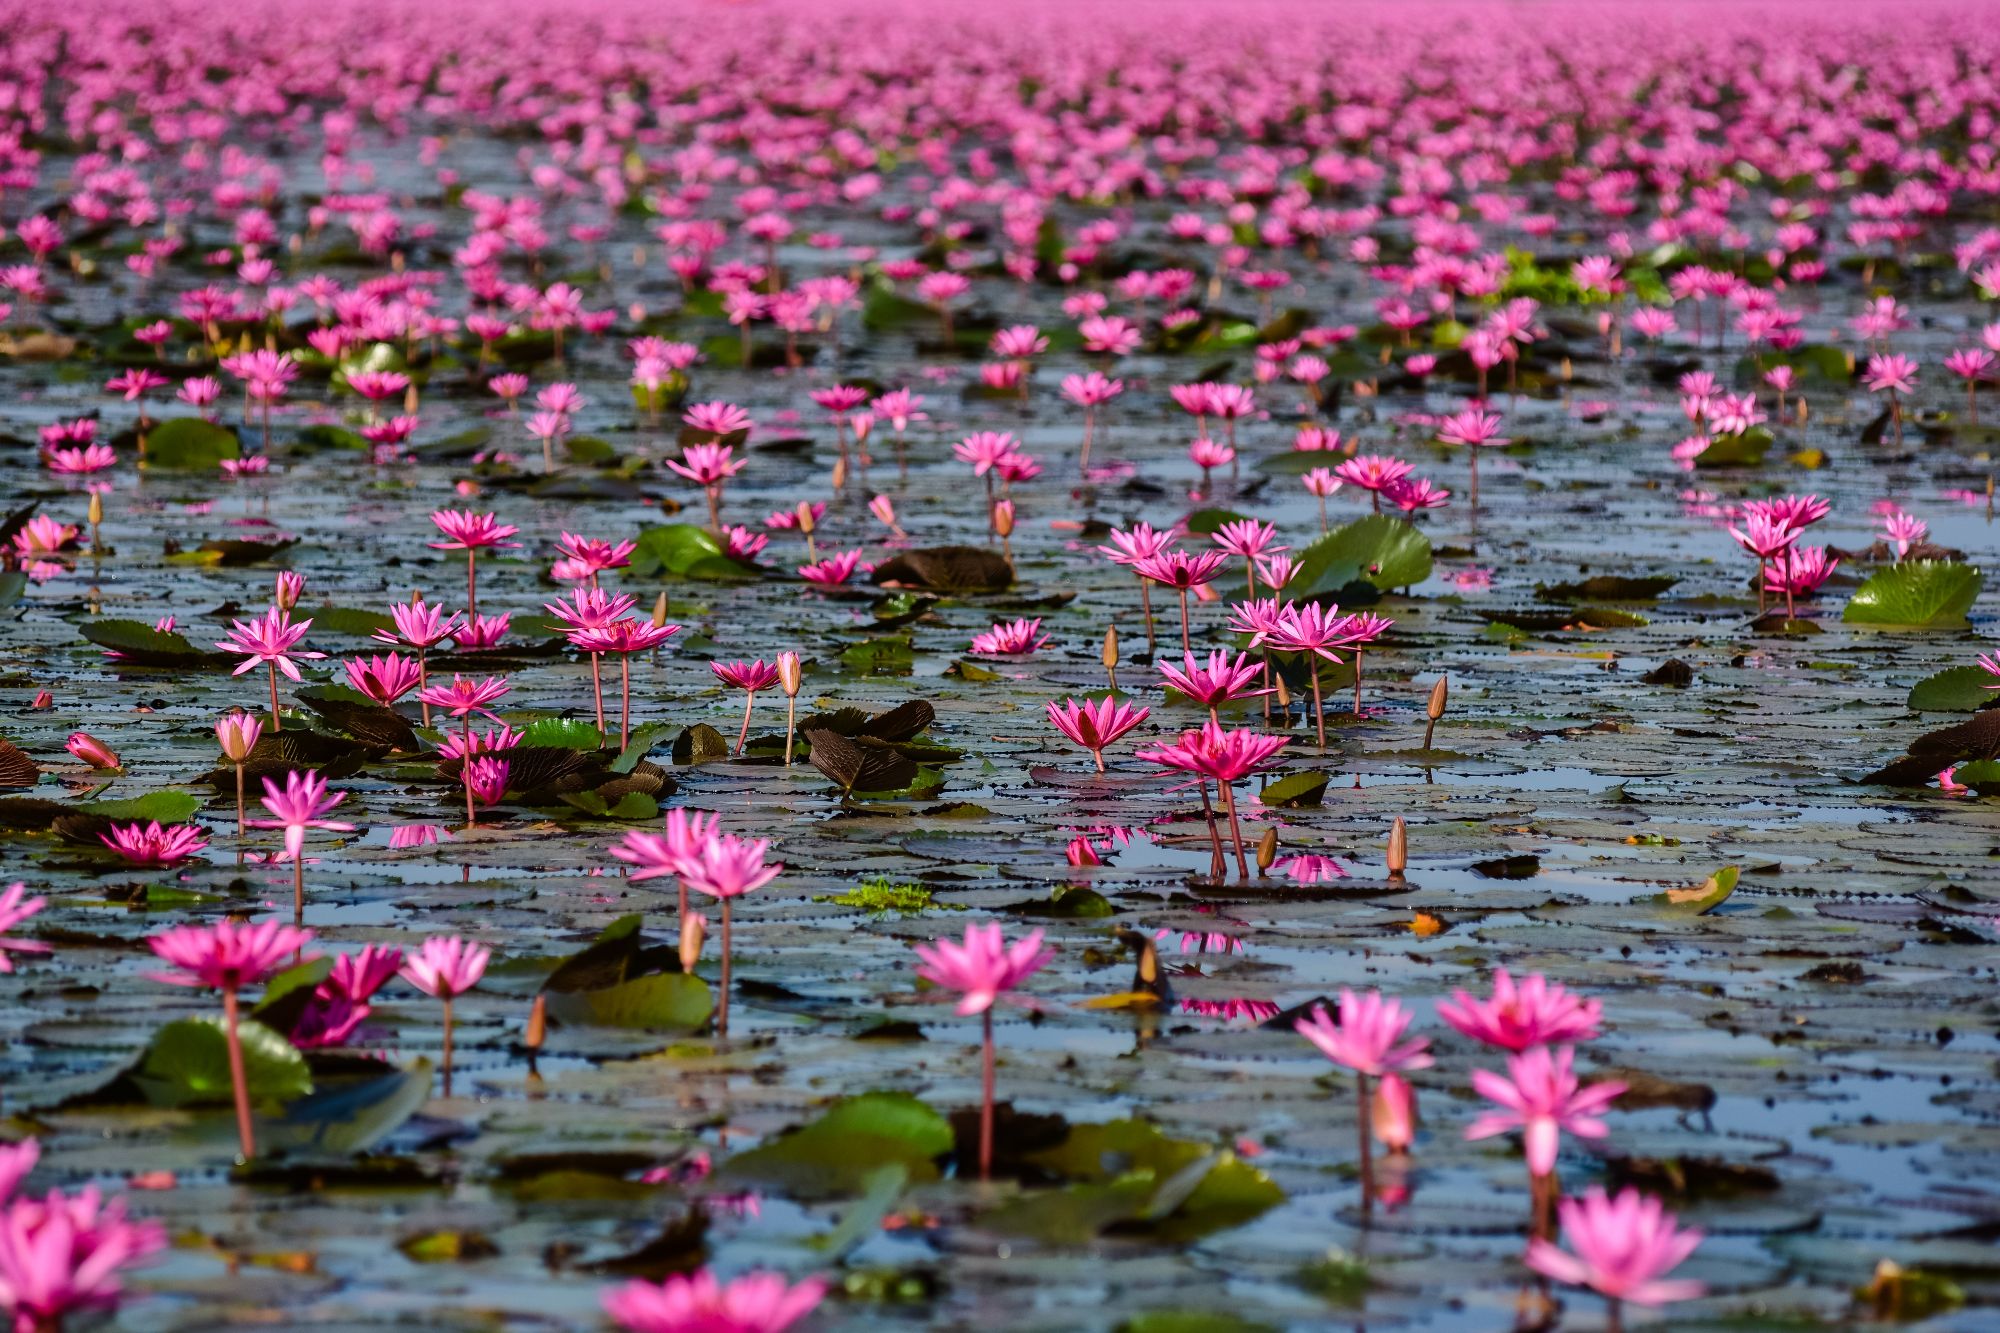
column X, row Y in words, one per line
column 246, row 1135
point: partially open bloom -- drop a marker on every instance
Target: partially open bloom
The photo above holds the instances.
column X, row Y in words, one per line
column 1621, row 1247
column 707, row 464
column 1368, row 1036
column 16, row 907
column 154, row 845
column 753, row 1303
column 446, row 966
column 1540, row 1096
column 239, row 733
column 984, row 967
column 1536, row 1012
column 1179, row 570
column 751, row 676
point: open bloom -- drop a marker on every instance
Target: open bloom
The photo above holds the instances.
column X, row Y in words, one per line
column 1094, row 725
column 467, row 531
column 385, row 678
column 653, row 855
column 984, row 967
column 1621, row 1247
column 465, row 695
column 753, row 1303
column 272, row 638
column 1010, row 638
column 226, row 956
column 446, row 966
column 728, row 866
column 707, row 464
column 154, row 845
column 299, row 805
column 1541, row 1097
column 1537, row 1012
column 1367, row 1037
column 1218, row 682
column 63, row 1253
column 833, row 571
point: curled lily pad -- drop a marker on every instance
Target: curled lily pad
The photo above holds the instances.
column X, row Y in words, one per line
column 1699, row 899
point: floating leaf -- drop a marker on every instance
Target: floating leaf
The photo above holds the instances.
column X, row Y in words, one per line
column 139, row 643
column 1208, row 522
column 1960, row 689
column 1376, row 548
column 1296, row 791
column 1917, row 594
column 1701, row 898
column 1744, row 450
column 565, row 732
column 168, row 807
column 344, row 1121
column 839, row 1154
column 662, row 1002
column 189, row 444
column 1607, row 588
column 684, row 550
column 188, row 1065
column 353, row 620
column 955, row 569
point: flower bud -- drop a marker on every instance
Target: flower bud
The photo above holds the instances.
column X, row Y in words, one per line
column 1267, row 849
column 538, row 1024
column 237, row 733
column 1003, row 517
column 96, row 508
column 694, row 928
column 789, row 673
column 43, row 699
column 1435, row 708
column 290, row 585
column 884, row 509
column 1399, row 847
column 861, row 423
column 91, row 750
column 1395, row 1118
column 805, row 512
column 1110, row 647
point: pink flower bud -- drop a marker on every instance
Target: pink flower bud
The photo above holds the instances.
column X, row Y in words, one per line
column 290, row 585
column 789, row 673
column 694, row 928
column 91, row 750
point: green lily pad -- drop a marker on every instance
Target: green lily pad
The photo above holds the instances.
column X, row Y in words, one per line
column 684, row 550
column 189, row 444
column 1376, row 548
column 1916, row 594
column 661, row 1002
column 839, row 1154
column 169, row 807
column 1960, row 689
column 1296, row 791
column 188, row 1065
column 566, row 733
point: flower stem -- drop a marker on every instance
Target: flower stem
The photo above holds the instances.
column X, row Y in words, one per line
column 299, row 888
column 624, row 700
column 246, row 1135
column 471, row 583
column 722, row 1001
column 1235, row 830
column 597, row 687
column 1367, row 1126
column 749, row 698
column 277, row 723
column 986, row 1099
column 447, row 1044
